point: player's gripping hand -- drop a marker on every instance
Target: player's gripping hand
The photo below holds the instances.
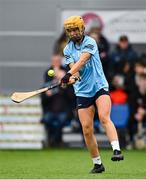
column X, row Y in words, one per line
column 65, row 79
column 72, row 80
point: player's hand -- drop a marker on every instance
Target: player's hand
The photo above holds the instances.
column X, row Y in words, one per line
column 72, row 80
column 66, row 78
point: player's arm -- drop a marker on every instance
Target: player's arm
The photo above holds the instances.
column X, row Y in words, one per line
column 84, row 57
column 75, row 76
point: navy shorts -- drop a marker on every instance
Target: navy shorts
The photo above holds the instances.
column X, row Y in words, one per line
column 84, row 102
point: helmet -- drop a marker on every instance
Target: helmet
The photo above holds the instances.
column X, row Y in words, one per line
column 74, row 22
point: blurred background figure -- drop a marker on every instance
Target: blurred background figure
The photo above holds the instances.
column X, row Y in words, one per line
column 57, row 103
column 60, row 44
column 140, row 65
column 123, row 51
column 137, row 101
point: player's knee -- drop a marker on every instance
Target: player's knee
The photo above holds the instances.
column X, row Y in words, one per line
column 103, row 118
column 87, row 130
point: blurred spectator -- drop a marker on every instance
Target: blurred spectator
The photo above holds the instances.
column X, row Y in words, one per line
column 57, row 103
column 60, row 44
column 129, row 76
column 140, row 113
column 140, row 66
column 103, row 46
column 137, row 100
column 124, row 69
column 123, row 51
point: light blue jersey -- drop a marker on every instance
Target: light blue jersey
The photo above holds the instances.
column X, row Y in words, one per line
column 92, row 75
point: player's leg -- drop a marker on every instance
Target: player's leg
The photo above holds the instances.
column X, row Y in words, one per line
column 103, row 104
column 86, row 116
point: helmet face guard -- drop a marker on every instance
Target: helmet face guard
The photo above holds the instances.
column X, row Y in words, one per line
column 74, row 23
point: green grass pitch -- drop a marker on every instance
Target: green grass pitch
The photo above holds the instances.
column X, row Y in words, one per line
column 69, row 163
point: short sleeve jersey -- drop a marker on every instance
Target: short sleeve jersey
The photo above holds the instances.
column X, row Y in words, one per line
column 92, row 75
